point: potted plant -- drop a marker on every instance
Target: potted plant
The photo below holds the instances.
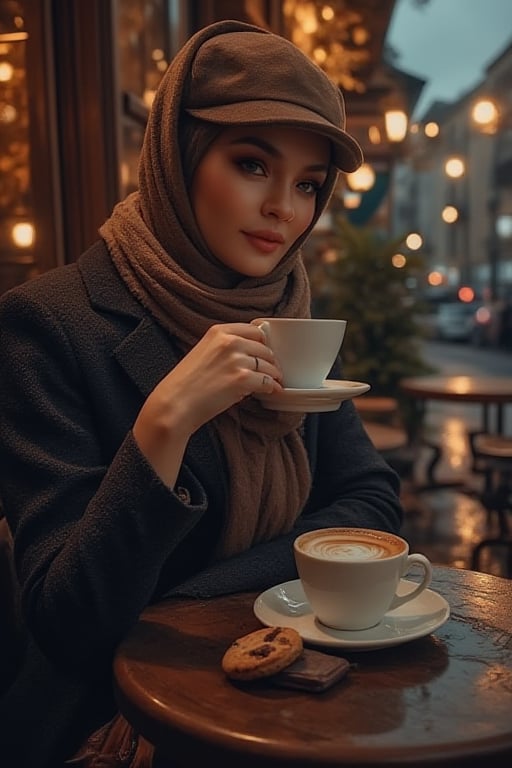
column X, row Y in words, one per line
column 367, row 285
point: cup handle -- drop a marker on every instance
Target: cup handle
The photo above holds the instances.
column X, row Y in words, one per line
column 425, row 564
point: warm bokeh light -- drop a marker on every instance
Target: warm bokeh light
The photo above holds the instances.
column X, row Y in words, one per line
column 431, row 130
column 450, row 214
column 351, row 199
column 148, row 97
column 396, row 124
column 414, row 241
column 435, row 278
column 360, row 35
column 398, row 260
column 329, row 256
column 6, row 71
column 13, row 37
column 455, row 167
column 455, row 443
column 309, row 22
column 466, row 294
column 374, row 136
column 327, row 13
column 485, row 115
column 363, row 179
column 461, row 384
column 320, row 55
column 23, row 234
column 8, row 113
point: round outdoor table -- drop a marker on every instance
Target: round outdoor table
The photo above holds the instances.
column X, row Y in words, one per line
column 488, row 391
column 443, row 700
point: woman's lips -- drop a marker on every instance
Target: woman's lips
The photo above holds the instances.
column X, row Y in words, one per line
column 266, row 242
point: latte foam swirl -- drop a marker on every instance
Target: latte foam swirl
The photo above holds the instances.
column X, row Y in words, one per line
column 347, row 550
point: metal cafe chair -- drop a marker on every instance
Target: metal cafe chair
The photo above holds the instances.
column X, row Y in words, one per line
column 492, row 457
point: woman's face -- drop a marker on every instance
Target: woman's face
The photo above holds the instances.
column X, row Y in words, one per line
column 254, row 193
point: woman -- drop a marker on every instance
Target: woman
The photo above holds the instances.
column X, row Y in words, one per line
column 135, row 463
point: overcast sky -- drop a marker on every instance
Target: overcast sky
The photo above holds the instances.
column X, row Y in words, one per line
column 449, row 43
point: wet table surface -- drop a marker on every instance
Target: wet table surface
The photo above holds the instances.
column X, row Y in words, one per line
column 444, row 699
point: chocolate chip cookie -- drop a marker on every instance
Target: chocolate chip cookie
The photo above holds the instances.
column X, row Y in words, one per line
column 262, row 653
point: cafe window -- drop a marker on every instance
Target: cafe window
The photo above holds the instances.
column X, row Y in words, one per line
column 76, row 85
column 149, row 34
column 17, row 229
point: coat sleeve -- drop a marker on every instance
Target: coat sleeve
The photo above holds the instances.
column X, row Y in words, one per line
column 92, row 526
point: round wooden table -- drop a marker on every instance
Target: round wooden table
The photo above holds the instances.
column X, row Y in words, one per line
column 485, row 390
column 443, row 700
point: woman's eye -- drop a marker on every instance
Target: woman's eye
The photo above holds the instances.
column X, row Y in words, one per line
column 249, row 165
column 310, row 187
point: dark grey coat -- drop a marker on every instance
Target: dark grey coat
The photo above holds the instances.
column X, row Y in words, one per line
column 97, row 535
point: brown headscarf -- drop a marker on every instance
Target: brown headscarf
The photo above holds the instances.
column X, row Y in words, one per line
column 160, row 254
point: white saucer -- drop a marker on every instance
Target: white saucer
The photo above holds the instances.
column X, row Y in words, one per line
column 328, row 397
column 285, row 605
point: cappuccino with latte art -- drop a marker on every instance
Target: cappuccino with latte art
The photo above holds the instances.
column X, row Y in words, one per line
column 350, row 576
column 356, row 545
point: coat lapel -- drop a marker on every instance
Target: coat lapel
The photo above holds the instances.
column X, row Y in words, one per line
column 147, row 355
column 143, row 349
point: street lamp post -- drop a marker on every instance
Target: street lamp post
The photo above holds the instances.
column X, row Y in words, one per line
column 486, row 116
column 493, row 246
column 396, row 122
column 456, row 212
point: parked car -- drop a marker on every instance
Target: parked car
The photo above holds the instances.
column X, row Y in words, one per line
column 455, row 320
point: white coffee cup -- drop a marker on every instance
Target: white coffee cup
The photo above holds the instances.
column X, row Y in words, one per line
column 350, row 576
column 305, row 348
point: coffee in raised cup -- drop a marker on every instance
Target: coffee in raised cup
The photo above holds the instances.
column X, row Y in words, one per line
column 357, row 544
column 304, row 347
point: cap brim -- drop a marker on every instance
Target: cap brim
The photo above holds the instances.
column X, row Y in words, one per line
column 347, row 154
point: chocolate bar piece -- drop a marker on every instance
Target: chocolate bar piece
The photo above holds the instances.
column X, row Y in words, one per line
column 313, row 671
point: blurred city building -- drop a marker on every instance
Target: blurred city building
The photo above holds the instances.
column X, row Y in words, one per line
column 453, row 185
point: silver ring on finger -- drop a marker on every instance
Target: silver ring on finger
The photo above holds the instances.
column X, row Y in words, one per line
column 256, row 364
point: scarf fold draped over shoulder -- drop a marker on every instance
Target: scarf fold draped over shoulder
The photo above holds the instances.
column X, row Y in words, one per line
column 157, row 249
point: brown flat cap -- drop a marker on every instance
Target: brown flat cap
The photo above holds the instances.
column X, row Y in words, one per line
column 260, row 78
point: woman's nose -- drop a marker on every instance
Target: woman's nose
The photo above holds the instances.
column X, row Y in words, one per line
column 280, row 207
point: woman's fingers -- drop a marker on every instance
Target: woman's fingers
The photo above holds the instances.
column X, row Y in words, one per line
column 267, row 384
column 260, row 365
column 229, row 363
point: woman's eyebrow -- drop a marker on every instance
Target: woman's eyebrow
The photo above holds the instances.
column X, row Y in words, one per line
column 273, row 151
